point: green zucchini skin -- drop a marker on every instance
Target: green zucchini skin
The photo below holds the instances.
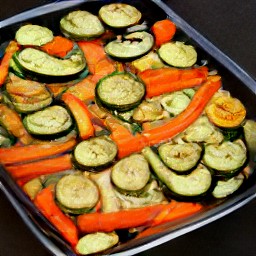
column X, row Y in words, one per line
column 192, row 187
column 177, row 54
column 76, row 193
column 225, row 159
column 95, row 153
column 132, row 46
column 131, row 174
column 41, row 123
column 32, row 63
column 225, row 188
column 33, row 35
column 81, row 25
column 119, row 91
column 96, row 242
column 6, row 140
column 119, row 15
column 180, row 158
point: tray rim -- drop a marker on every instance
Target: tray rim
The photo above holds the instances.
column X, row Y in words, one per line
column 209, row 216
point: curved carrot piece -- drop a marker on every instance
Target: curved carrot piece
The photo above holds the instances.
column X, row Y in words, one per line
column 45, row 202
column 128, row 144
column 59, row 46
column 176, row 210
column 10, row 50
column 42, row 167
column 166, row 80
column 188, row 116
column 107, row 222
column 81, row 115
column 10, row 119
column 163, row 30
column 32, row 152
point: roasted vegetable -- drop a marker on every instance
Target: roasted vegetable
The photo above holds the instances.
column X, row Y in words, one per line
column 178, row 54
column 80, row 25
column 131, row 46
column 119, row 15
column 33, row 35
column 225, row 111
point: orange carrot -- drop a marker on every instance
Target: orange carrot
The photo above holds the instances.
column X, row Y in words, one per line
column 98, row 63
column 93, row 54
column 85, row 89
column 164, row 80
column 81, row 115
column 188, row 116
column 32, row 152
column 107, row 222
column 176, row 210
column 127, row 143
column 45, row 202
column 13, row 124
column 59, row 46
column 10, row 50
column 163, row 30
column 41, row 167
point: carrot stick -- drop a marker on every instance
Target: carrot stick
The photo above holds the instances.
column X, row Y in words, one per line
column 166, row 80
column 59, row 46
column 10, row 119
column 107, row 222
column 32, row 152
column 46, row 166
column 93, row 54
column 10, row 50
column 98, row 63
column 188, row 116
column 81, row 115
column 85, row 89
column 176, row 210
column 127, row 143
column 44, row 201
column 163, row 30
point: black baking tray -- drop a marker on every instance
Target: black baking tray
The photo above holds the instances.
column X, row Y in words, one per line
column 235, row 79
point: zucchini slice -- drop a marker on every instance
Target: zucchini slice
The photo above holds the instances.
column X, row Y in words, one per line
column 180, row 157
column 175, row 102
column 119, row 15
column 226, row 112
column 148, row 111
column 202, row 131
column 227, row 158
column 192, row 186
column 27, row 95
column 132, row 46
column 95, row 152
column 39, row 63
column 33, row 35
column 178, row 54
column 76, row 193
column 96, row 242
column 131, row 174
column 225, row 188
column 119, row 91
column 51, row 121
column 6, row 140
column 80, row 25
column 250, row 137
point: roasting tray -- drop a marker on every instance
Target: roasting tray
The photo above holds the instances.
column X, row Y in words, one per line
column 235, row 79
